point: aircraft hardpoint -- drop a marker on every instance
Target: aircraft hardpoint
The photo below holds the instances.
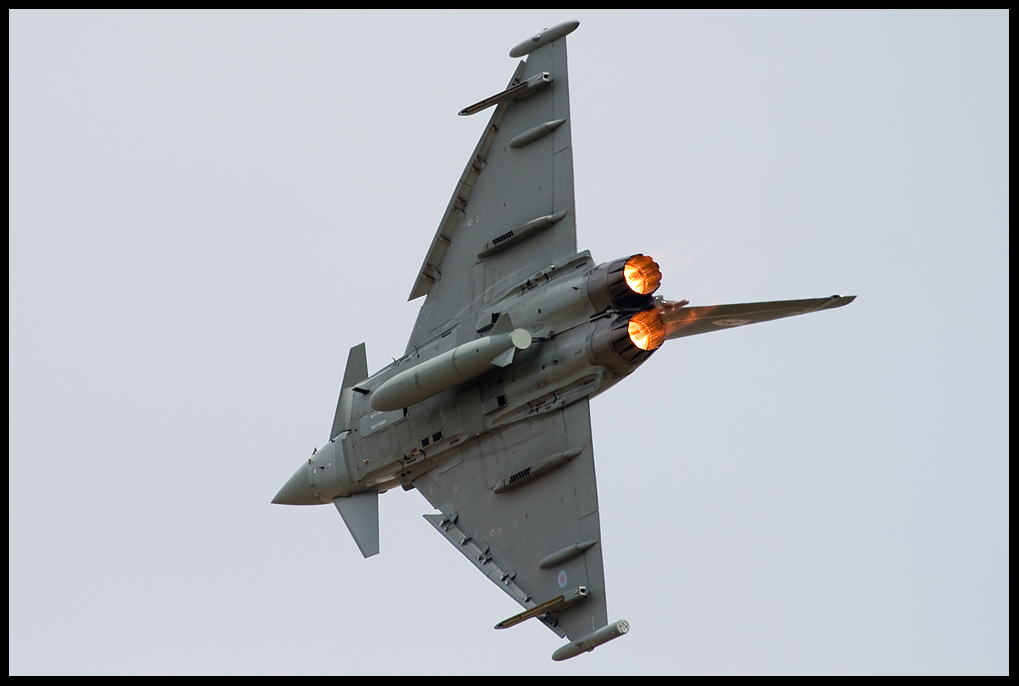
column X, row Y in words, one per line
column 487, row 414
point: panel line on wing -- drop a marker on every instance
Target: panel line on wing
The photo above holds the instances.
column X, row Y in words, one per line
column 461, row 196
column 483, row 560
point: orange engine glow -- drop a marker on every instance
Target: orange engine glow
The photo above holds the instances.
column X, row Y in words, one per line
column 642, row 275
column 646, row 330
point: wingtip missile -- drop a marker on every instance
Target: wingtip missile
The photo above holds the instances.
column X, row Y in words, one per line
column 544, row 37
column 594, row 639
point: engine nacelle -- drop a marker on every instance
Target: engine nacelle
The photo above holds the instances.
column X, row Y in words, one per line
column 622, row 344
column 625, row 283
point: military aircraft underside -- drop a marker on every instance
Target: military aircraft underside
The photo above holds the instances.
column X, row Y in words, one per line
column 487, row 414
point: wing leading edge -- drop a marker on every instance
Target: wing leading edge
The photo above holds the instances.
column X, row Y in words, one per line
column 511, row 213
column 521, row 504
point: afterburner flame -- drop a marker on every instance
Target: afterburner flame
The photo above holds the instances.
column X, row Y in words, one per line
column 642, row 275
column 646, row 330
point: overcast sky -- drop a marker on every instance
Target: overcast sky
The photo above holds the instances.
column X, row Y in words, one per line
column 208, row 209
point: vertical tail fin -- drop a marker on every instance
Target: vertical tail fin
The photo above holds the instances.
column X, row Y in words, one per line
column 356, row 372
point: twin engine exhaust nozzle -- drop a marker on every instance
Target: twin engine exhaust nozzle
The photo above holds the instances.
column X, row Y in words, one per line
column 628, row 283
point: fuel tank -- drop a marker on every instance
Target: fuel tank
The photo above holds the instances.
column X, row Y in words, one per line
column 456, row 366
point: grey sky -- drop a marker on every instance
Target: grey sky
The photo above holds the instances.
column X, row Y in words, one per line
column 206, row 210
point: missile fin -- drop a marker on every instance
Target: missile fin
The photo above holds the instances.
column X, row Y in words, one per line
column 505, row 359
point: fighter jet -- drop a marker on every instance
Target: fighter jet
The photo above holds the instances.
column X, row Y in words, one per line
column 487, row 412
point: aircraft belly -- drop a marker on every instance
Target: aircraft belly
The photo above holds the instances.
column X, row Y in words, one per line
column 495, row 432
column 547, row 377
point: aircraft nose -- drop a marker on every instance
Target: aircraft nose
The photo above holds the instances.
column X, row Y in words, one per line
column 297, row 490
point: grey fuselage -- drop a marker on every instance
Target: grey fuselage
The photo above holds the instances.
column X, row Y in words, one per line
column 571, row 357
